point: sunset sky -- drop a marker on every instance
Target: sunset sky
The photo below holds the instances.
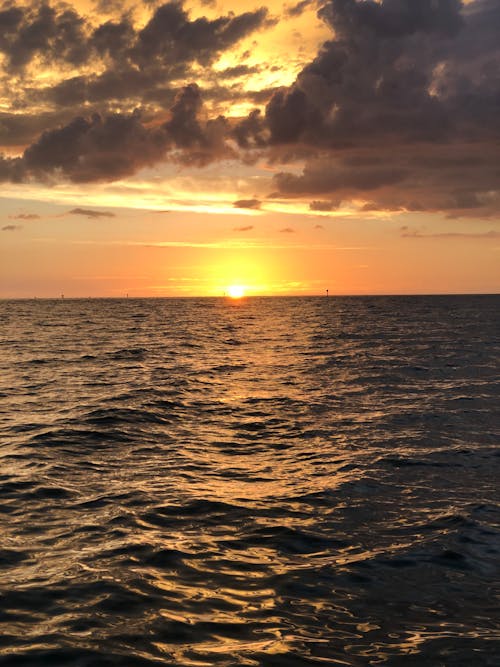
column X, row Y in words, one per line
column 176, row 149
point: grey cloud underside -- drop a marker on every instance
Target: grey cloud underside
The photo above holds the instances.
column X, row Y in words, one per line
column 459, row 179
column 402, row 108
column 118, row 145
column 399, row 109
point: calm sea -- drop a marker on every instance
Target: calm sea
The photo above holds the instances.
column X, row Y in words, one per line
column 271, row 481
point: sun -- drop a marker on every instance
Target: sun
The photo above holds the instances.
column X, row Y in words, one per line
column 236, row 291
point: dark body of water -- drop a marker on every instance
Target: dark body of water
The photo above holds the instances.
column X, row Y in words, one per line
column 275, row 482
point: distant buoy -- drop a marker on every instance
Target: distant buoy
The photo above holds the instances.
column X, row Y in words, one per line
column 326, row 292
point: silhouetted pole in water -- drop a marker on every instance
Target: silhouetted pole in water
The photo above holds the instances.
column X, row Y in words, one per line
column 326, row 292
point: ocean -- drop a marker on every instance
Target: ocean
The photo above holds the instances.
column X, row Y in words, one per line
column 261, row 482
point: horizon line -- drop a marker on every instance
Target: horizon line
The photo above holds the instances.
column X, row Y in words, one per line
column 245, row 297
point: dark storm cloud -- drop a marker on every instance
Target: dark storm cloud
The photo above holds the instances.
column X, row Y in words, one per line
column 184, row 125
column 398, row 110
column 460, row 180
column 113, row 38
column 91, row 213
column 251, row 132
column 133, row 65
column 247, row 203
column 45, row 31
column 59, row 34
column 106, row 148
column 170, row 36
column 373, row 81
column 402, row 81
column 95, row 149
column 200, row 141
column 325, row 176
column 127, row 85
column 22, row 128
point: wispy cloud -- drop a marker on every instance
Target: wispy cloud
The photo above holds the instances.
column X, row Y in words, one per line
column 90, row 213
column 25, row 216
column 247, row 203
column 414, row 234
column 230, row 244
column 11, row 228
column 245, row 228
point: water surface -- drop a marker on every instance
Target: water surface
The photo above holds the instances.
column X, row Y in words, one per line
column 271, row 481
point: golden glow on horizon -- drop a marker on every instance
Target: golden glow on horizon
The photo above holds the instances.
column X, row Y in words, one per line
column 236, row 291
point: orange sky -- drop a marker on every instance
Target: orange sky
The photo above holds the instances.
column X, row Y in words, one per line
column 362, row 172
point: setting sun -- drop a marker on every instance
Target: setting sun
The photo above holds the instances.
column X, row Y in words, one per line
column 236, row 291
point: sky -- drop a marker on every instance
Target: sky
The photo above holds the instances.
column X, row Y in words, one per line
column 181, row 148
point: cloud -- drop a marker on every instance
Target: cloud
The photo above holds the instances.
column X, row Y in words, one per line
column 170, row 36
column 94, row 149
column 409, row 234
column 106, row 148
column 287, row 230
column 58, row 34
column 398, row 110
column 107, row 66
column 11, row 228
column 252, row 131
column 399, row 83
column 238, row 71
column 24, row 127
column 25, row 216
column 319, row 205
column 299, row 8
column 247, row 203
column 332, row 176
column 245, row 228
column 42, row 31
column 90, row 213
